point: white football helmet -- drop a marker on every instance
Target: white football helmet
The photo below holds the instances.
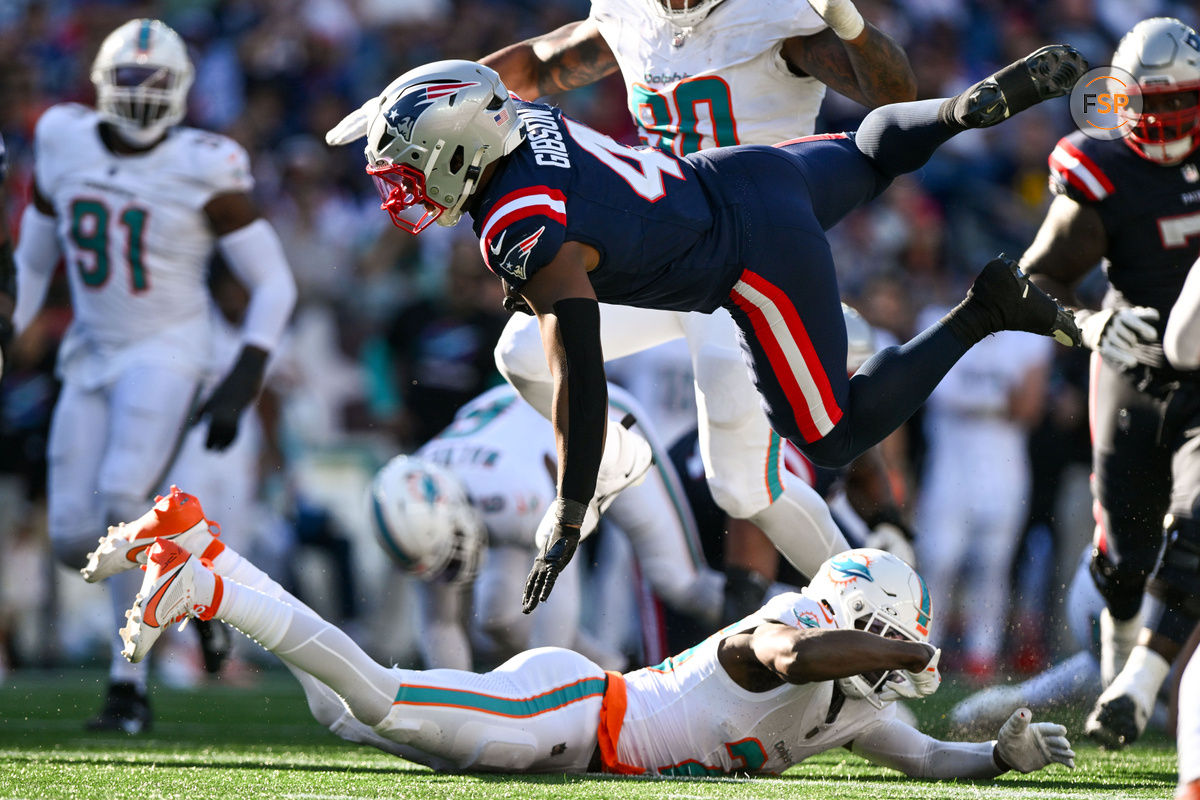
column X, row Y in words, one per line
column 1163, row 55
column 688, row 16
column 860, row 339
column 425, row 521
column 430, row 136
column 873, row 590
column 142, row 75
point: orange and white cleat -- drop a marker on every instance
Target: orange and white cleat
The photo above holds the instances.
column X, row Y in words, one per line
column 177, row 516
column 168, row 595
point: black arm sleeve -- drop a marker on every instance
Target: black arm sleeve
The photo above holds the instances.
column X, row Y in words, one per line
column 587, row 396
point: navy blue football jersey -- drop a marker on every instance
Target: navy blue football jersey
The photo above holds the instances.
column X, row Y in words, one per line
column 647, row 212
column 1151, row 214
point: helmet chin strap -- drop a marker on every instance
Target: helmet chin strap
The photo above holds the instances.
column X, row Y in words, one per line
column 454, row 212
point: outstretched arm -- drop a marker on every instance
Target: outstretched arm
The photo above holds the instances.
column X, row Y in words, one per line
column 569, row 317
column 871, row 68
column 574, row 55
column 1020, row 745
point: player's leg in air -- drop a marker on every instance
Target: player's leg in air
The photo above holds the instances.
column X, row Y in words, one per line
column 108, row 450
column 790, row 312
column 537, row 712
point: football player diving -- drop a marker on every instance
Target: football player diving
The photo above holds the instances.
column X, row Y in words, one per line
column 569, row 217
column 701, row 74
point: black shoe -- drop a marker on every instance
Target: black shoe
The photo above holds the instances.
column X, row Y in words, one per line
column 215, row 643
column 1013, row 303
column 1041, row 75
column 126, row 709
column 1113, row 723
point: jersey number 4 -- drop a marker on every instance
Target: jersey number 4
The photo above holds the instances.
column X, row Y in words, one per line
column 90, row 221
column 641, row 167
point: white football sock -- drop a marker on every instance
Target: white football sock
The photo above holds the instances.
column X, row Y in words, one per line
column 1142, row 677
column 313, row 645
column 800, row 526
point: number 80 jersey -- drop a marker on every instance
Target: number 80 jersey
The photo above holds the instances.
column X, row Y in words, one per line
column 724, row 82
column 134, row 236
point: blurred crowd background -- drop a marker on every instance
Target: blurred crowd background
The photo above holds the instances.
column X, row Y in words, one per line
column 392, row 333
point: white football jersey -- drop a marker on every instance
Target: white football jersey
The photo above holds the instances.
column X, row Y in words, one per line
column 504, row 452
column 135, row 239
column 724, row 82
column 686, row 716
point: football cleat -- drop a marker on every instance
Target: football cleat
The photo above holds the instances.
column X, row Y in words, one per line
column 1014, row 303
column 168, row 596
column 1116, row 721
column 176, row 516
column 1048, row 72
column 126, row 709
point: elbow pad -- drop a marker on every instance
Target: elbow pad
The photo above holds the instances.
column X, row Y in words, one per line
column 587, row 396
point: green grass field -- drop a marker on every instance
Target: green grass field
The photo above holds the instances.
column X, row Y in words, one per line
column 237, row 743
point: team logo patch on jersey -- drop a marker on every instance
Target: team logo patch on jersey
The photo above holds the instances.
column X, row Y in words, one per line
column 517, row 256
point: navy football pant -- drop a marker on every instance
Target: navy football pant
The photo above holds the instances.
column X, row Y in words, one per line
column 787, row 301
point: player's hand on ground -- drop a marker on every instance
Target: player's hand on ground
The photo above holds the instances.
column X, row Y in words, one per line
column 1028, row 747
column 555, row 555
column 920, row 684
column 1117, row 334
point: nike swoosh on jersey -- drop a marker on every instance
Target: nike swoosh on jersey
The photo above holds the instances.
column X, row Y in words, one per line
column 499, row 243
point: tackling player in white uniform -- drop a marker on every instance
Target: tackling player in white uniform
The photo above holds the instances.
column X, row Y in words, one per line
column 135, row 204
column 502, row 453
column 807, row 673
column 700, row 74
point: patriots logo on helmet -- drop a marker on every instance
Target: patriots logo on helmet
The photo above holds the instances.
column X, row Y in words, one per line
column 425, row 93
column 401, row 122
column 515, row 259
